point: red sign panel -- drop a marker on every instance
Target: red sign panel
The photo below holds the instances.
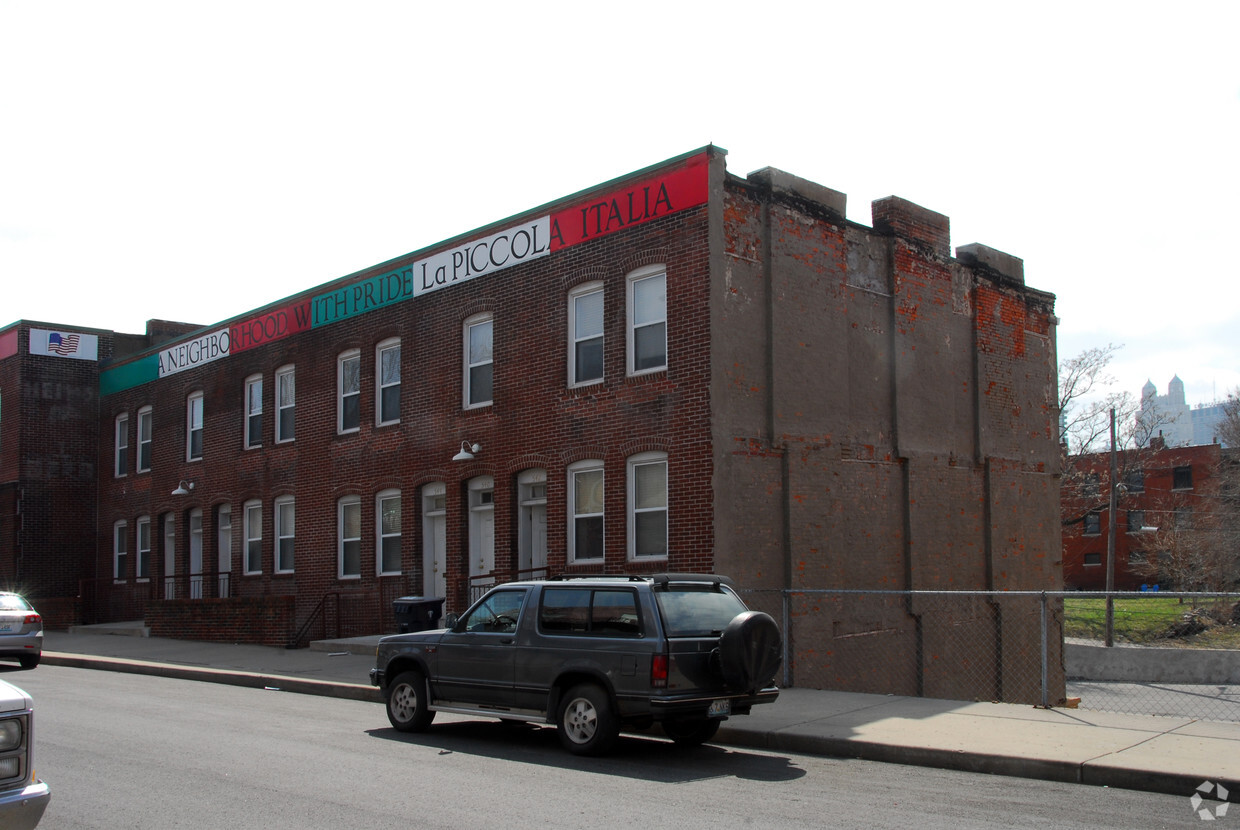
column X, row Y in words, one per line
column 632, row 205
column 274, row 325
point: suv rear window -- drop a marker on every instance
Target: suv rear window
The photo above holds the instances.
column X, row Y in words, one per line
column 597, row 611
column 703, row 611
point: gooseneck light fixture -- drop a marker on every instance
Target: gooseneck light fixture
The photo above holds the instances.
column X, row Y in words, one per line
column 467, row 451
column 183, row 488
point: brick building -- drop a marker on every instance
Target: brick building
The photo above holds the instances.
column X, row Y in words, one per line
column 1168, row 496
column 680, row 369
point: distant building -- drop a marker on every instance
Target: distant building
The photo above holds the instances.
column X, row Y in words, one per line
column 1179, row 425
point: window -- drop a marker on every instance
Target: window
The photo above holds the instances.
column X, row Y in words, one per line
column 120, row 549
column 144, row 438
column 121, row 465
column 285, row 400
column 648, row 506
column 388, row 531
column 1093, row 559
column 647, row 320
column 349, row 383
column 498, row 615
column 1089, row 487
column 1182, row 478
column 284, row 534
column 585, row 328
column 1134, row 480
column 193, row 427
column 349, row 528
column 252, row 527
column 479, row 362
column 1093, row 523
column 1136, row 520
column 254, row 411
column 387, row 386
column 142, row 567
column 583, row 611
column 585, row 507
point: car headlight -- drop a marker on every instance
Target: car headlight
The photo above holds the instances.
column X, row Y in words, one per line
column 10, row 767
column 10, row 734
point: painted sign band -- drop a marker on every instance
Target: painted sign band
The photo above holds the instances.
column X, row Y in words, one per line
column 200, row 350
column 269, row 327
column 496, row 252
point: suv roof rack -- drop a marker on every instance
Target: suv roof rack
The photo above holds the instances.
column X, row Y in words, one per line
column 620, row 577
column 714, row 579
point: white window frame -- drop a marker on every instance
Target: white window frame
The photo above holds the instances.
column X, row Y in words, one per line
column 146, row 415
column 253, row 412
column 195, row 416
column 120, row 549
column 579, row 293
column 252, row 529
column 142, row 560
column 346, row 504
column 381, row 386
column 342, row 394
column 284, row 534
column 120, row 446
column 469, row 365
column 285, row 374
column 646, row 459
column 592, row 465
column 642, row 275
column 382, row 536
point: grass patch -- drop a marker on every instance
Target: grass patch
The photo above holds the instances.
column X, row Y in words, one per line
column 1152, row 619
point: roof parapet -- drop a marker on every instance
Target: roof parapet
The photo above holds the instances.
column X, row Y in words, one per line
column 781, row 183
column 1006, row 264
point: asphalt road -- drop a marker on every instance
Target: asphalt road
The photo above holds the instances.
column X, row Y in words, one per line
column 145, row 752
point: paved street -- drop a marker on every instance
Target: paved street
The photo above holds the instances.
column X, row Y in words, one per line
column 134, row 751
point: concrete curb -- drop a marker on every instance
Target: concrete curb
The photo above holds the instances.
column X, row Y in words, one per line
column 252, row 680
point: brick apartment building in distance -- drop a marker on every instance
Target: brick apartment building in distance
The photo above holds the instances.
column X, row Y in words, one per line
column 677, row 370
column 1163, row 491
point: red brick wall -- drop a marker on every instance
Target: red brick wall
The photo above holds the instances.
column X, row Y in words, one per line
column 263, row 621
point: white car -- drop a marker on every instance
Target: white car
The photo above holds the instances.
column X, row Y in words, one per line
column 21, row 630
column 23, row 797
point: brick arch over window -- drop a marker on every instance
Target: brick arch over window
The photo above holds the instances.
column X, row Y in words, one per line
column 481, row 305
column 593, row 274
column 640, row 259
column 635, row 446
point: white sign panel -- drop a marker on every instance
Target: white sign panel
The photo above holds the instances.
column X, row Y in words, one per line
column 64, row 344
column 192, row 353
column 483, row 256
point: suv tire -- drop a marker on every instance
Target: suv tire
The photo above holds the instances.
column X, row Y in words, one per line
column 691, row 731
column 407, row 701
column 585, row 721
column 749, row 651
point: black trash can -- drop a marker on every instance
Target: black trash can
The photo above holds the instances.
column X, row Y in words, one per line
column 417, row 613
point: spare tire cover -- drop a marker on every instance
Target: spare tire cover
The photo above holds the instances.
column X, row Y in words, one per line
column 750, row 651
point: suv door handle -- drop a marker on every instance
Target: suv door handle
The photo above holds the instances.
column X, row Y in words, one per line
column 507, row 641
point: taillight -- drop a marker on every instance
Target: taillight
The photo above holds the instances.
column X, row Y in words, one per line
column 658, row 671
column 31, row 619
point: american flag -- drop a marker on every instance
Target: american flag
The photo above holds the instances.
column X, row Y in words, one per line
column 62, row 343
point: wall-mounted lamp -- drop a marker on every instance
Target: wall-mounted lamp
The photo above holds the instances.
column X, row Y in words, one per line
column 183, row 488
column 467, row 451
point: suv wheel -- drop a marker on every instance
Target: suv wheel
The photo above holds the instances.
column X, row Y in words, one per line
column 407, row 703
column 691, row 731
column 586, row 724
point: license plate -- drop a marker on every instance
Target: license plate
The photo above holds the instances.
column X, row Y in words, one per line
column 6, row 628
column 719, row 709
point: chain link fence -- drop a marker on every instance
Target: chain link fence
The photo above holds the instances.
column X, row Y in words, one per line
column 1026, row 647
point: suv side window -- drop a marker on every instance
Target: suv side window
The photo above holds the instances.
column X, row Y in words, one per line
column 582, row 611
column 497, row 614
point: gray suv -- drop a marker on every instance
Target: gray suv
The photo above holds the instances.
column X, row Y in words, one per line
column 591, row 655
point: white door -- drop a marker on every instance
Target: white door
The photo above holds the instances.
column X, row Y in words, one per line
column 481, row 535
column 532, row 524
column 195, row 553
column 434, row 541
column 170, row 556
column 224, row 535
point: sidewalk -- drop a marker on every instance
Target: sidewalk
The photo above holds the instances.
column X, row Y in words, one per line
column 1159, row 754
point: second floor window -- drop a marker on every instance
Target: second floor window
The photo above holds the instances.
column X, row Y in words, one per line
column 585, row 326
column 193, row 427
column 286, row 399
column 121, row 466
column 479, row 361
column 387, row 365
column 349, row 381
column 254, row 412
column 144, row 439
column 647, row 320
column 1182, row 478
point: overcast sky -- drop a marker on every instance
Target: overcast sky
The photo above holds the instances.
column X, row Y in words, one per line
column 192, row 161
